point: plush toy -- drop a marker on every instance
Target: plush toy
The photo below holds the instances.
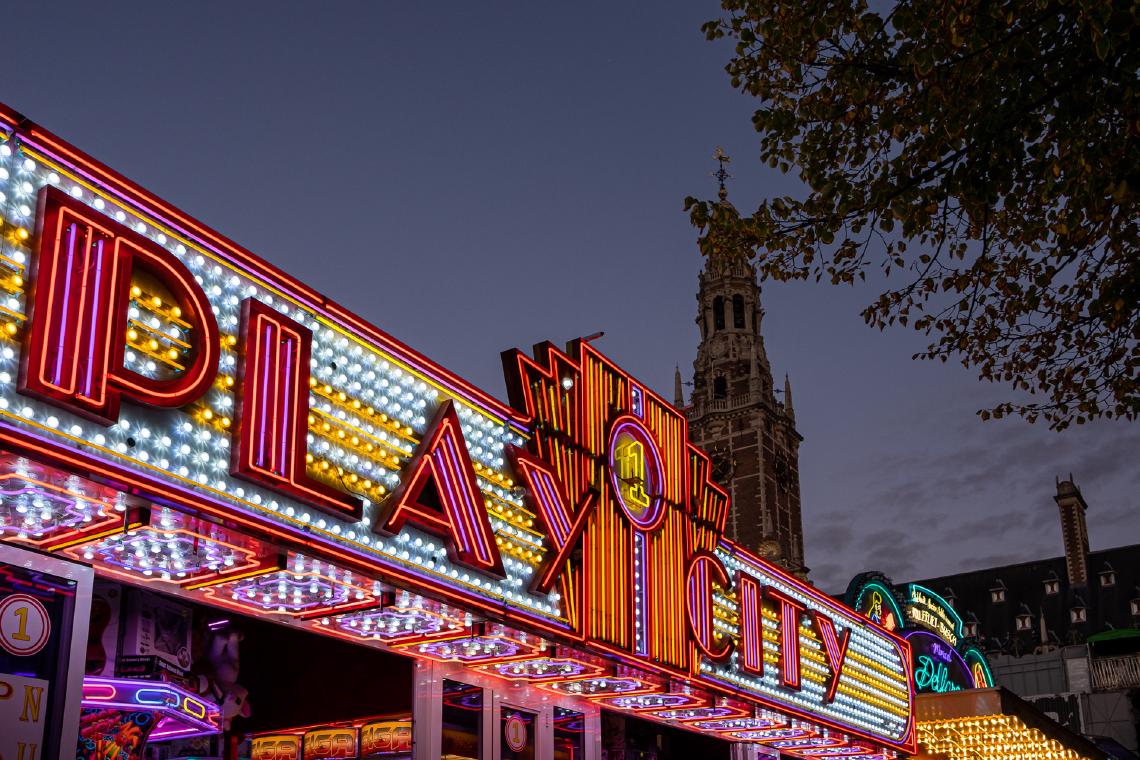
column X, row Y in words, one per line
column 234, row 704
column 219, row 673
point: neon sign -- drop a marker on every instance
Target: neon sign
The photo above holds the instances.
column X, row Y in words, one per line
column 938, row 667
column 601, row 438
column 151, row 355
column 942, row 659
column 171, row 710
column 928, row 610
column 330, row 743
column 276, row 747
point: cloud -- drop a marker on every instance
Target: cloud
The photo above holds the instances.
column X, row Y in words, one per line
column 950, row 493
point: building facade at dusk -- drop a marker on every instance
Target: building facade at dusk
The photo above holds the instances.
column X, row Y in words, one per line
column 735, row 414
column 1062, row 632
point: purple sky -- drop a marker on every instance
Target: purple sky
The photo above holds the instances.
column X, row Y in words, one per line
column 478, row 176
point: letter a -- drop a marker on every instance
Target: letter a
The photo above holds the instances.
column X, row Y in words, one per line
column 81, row 294
column 439, row 494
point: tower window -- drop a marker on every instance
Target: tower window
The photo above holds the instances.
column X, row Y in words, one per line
column 720, row 387
column 718, row 313
column 738, row 312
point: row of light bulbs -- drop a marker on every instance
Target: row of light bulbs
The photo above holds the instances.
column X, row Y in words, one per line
column 201, row 457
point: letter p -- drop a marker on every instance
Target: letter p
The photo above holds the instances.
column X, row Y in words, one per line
column 80, row 316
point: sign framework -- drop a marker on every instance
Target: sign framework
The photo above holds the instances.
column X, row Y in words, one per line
column 158, row 359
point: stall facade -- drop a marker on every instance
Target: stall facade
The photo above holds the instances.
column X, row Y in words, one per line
column 182, row 416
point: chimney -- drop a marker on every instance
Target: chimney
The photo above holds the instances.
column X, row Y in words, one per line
column 678, row 392
column 1075, row 531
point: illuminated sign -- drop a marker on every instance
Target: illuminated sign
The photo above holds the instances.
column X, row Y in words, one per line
column 606, row 447
column 149, row 354
column 276, row 747
column 942, row 659
column 979, row 666
column 386, row 737
column 330, row 743
column 174, row 711
column 938, row 667
column 44, row 613
column 877, row 601
column 928, row 610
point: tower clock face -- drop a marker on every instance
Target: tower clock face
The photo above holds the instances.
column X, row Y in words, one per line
column 783, row 473
column 723, row 465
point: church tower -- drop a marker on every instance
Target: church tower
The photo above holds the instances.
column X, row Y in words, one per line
column 735, row 415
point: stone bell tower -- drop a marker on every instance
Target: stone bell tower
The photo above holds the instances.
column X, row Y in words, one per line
column 735, row 415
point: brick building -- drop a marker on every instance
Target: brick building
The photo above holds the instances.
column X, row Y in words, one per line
column 734, row 414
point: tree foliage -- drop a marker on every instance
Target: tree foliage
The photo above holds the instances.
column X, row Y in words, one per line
column 984, row 153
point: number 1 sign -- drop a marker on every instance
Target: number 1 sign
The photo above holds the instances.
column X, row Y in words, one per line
column 44, row 611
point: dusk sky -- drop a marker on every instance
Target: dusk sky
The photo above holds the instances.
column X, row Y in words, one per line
column 473, row 177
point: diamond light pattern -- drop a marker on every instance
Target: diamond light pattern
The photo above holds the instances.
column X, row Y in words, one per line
column 411, row 618
column 497, row 644
column 48, row 509
column 306, row 587
column 175, row 547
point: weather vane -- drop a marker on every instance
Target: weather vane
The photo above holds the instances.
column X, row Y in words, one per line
column 721, row 173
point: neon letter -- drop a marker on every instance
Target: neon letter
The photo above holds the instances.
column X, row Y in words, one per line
column 563, row 526
column 439, row 493
column 74, row 350
column 704, row 570
column 751, row 625
column 273, row 410
column 834, row 646
column 790, row 611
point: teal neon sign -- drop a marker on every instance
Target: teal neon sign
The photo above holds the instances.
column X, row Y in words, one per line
column 938, row 667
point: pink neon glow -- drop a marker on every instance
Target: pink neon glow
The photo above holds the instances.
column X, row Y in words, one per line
column 288, row 421
column 176, row 711
column 72, row 235
column 95, row 316
column 265, row 416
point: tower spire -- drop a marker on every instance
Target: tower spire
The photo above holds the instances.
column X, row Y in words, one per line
column 678, row 391
column 721, row 173
column 791, row 411
column 733, row 408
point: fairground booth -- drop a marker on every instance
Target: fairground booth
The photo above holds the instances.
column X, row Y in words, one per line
column 961, row 713
column 239, row 521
